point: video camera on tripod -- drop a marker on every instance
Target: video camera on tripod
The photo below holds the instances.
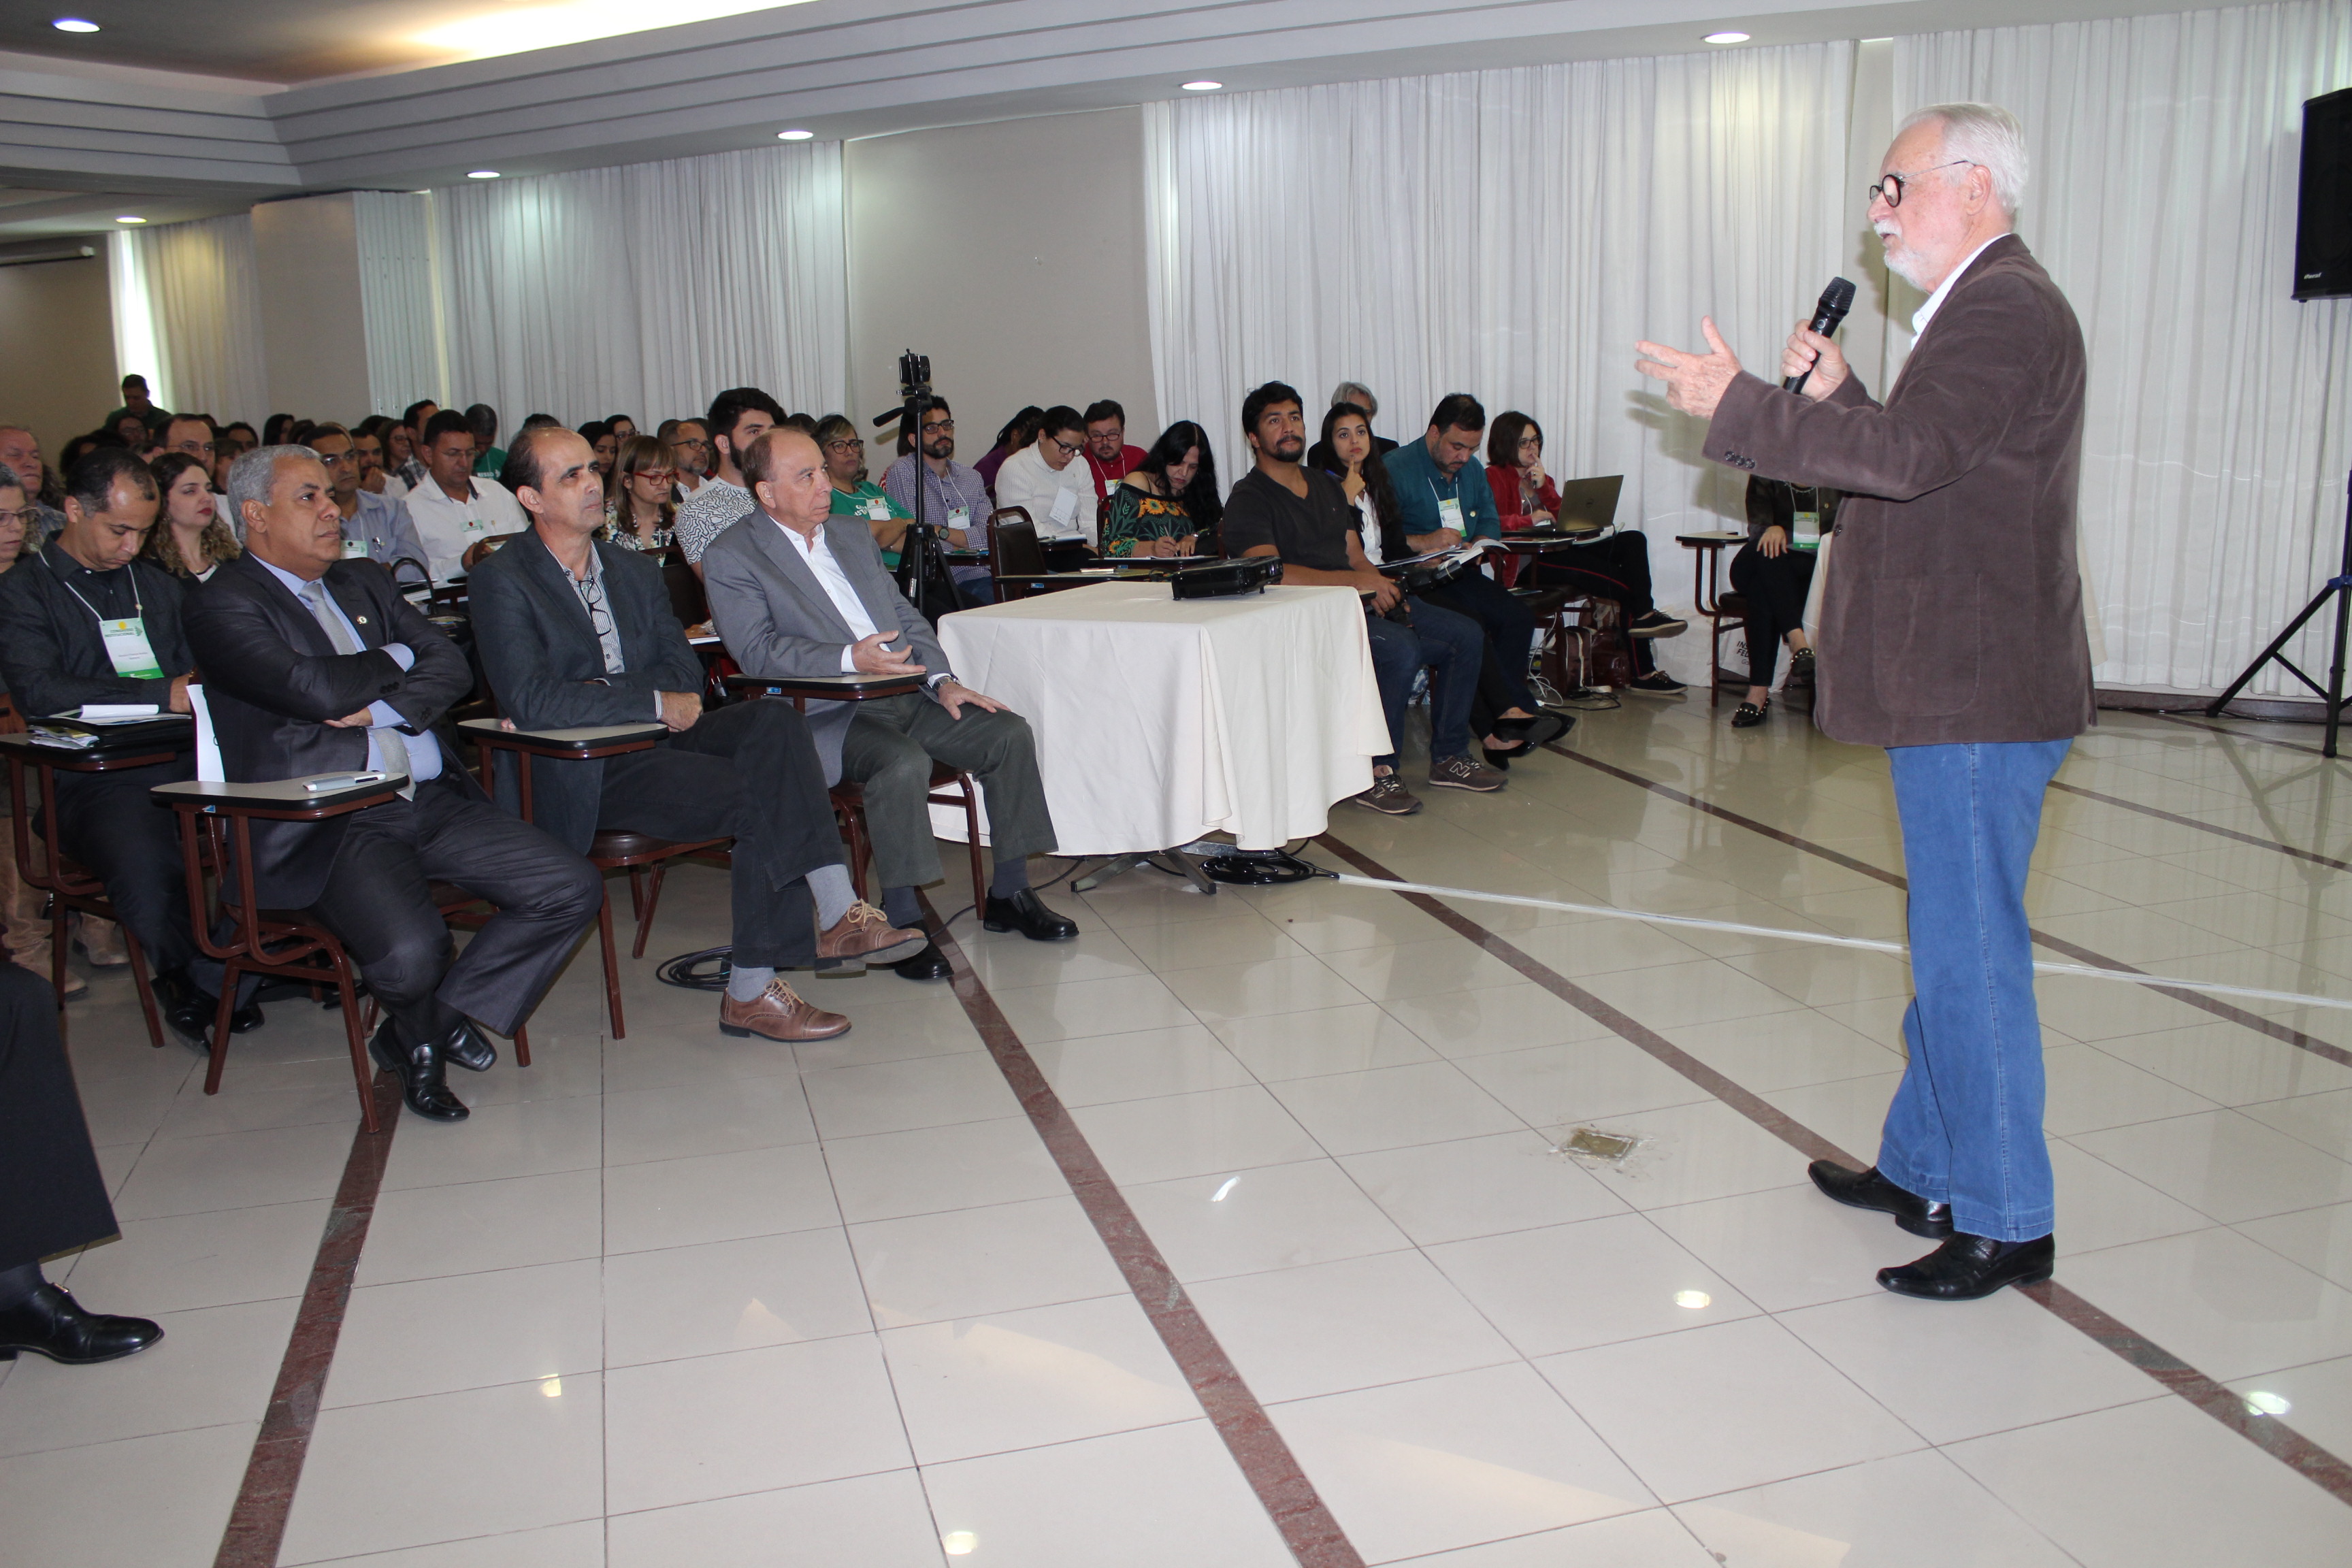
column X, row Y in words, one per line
column 925, row 574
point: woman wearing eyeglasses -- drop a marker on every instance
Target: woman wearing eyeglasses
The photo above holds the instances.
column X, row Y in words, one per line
column 855, row 495
column 191, row 540
column 641, row 513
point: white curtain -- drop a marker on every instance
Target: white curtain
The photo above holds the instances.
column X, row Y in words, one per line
column 642, row 290
column 2163, row 201
column 188, row 315
column 1506, row 233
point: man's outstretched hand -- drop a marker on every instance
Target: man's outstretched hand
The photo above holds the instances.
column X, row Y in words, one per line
column 1694, row 383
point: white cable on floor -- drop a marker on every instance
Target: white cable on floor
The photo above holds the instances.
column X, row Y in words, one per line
column 1823, row 939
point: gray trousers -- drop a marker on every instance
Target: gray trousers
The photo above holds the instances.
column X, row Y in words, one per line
column 889, row 749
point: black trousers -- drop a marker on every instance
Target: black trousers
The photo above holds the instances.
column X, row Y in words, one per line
column 51, row 1194
column 1510, row 628
column 1775, row 587
column 749, row 772
column 1616, row 567
column 378, row 903
column 108, row 824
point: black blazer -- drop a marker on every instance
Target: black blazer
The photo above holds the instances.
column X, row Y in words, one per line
column 546, row 670
column 272, row 681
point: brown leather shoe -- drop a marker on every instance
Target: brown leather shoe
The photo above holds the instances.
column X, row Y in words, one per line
column 779, row 1013
column 866, row 932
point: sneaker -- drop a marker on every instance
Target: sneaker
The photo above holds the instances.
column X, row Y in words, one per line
column 1657, row 624
column 1461, row 772
column 1657, row 683
column 1389, row 797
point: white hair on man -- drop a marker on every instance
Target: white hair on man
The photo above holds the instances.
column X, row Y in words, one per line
column 1987, row 136
column 1357, row 393
column 255, row 474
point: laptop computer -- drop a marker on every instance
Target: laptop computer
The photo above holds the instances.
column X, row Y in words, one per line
column 1589, row 506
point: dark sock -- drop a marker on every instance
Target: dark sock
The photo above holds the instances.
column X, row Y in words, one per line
column 17, row 1284
column 1012, row 876
column 899, row 904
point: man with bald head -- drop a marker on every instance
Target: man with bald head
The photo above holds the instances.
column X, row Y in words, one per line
column 313, row 664
column 795, row 591
column 84, row 619
column 1951, row 635
column 574, row 632
column 20, row 450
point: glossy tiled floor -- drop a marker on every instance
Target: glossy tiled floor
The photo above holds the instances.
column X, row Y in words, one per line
column 680, row 1299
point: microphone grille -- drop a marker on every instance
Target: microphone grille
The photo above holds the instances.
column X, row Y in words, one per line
column 1839, row 295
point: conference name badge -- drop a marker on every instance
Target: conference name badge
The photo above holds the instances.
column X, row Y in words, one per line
column 1808, row 534
column 127, row 649
column 877, row 510
column 356, row 548
column 959, row 517
column 1066, row 505
column 1449, row 513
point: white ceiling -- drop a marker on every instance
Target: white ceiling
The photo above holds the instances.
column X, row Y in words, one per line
column 180, row 109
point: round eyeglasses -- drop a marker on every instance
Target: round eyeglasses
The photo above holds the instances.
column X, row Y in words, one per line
column 1889, row 188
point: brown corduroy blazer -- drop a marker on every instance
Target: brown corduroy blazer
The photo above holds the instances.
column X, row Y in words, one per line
column 1953, row 608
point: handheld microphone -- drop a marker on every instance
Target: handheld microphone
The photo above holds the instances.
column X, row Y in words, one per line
column 1835, row 301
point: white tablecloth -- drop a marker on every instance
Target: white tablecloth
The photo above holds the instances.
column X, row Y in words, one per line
column 1158, row 721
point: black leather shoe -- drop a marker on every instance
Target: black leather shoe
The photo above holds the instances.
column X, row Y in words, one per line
column 1968, row 1268
column 1869, row 1190
column 52, row 1323
column 1027, row 914
column 929, row 964
column 467, row 1048
column 246, row 1019
column 187, row 1007
column 424, row 1080
column 1539, row 731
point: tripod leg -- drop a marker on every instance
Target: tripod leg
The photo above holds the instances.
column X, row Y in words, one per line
column 2213, row 709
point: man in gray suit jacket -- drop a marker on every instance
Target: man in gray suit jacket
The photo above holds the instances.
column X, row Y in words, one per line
column 794, row 591
column 574, row 633
column 1951, row 635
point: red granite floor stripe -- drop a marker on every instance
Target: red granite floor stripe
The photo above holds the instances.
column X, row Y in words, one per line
column 257, row 1523
column 2290, row 1447
column 2285, row 1034
column 1307, row 1527
column 2219, row 832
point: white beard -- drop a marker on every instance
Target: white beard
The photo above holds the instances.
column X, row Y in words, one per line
column 1901, row 261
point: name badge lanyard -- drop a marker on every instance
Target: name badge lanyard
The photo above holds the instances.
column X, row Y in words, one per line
column 126, row 640
column 1449, row 508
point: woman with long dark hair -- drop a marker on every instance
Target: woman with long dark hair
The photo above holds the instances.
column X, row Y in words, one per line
column 1503, row 710
column 1018, row 432
column 605, row 445
column 1168, row 504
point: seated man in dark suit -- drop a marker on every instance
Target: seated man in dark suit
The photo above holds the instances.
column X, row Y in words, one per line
column 795, row 594
column 313, row 664
column 82, row 619
column 52, row 1196
column 574, row 633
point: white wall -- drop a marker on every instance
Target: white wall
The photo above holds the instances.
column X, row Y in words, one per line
column 1013, row 255
column 314, row 342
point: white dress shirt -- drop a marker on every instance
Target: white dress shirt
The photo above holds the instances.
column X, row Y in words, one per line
column 447, row 527
column 827, row 566
column 1926, row 312
column 1058, row 500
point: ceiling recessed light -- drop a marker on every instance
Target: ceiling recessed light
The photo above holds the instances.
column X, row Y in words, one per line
column 1726, row 38
column 1203, row 86
column 796, row 135
column 481, row 173
column 130, row 217
column 74, row 25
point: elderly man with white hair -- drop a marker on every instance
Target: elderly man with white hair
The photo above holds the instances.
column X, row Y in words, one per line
column 1951, row 635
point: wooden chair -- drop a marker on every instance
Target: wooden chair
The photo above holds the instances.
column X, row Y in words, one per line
column 1725, row 613
column 948, row 786
column 217, row 818
column 70, row 886
column 612, row 849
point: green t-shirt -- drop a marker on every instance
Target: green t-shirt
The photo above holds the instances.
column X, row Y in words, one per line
column 491, row 462
column 857, row 502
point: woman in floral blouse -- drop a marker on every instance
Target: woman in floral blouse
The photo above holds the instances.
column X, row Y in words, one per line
column 1169, row 506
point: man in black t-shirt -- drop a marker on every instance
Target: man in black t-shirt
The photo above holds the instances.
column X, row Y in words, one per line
column 1301, row 516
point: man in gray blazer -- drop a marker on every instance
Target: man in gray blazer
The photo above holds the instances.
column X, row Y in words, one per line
column 794, row 591
column 1952, row 635
column 573, row 632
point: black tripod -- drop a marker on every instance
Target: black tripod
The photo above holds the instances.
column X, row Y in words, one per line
column 925, row 576
column 2339, row 588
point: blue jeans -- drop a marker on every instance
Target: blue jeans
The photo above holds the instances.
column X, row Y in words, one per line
column 1966, row 1125
column 1452, row 647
